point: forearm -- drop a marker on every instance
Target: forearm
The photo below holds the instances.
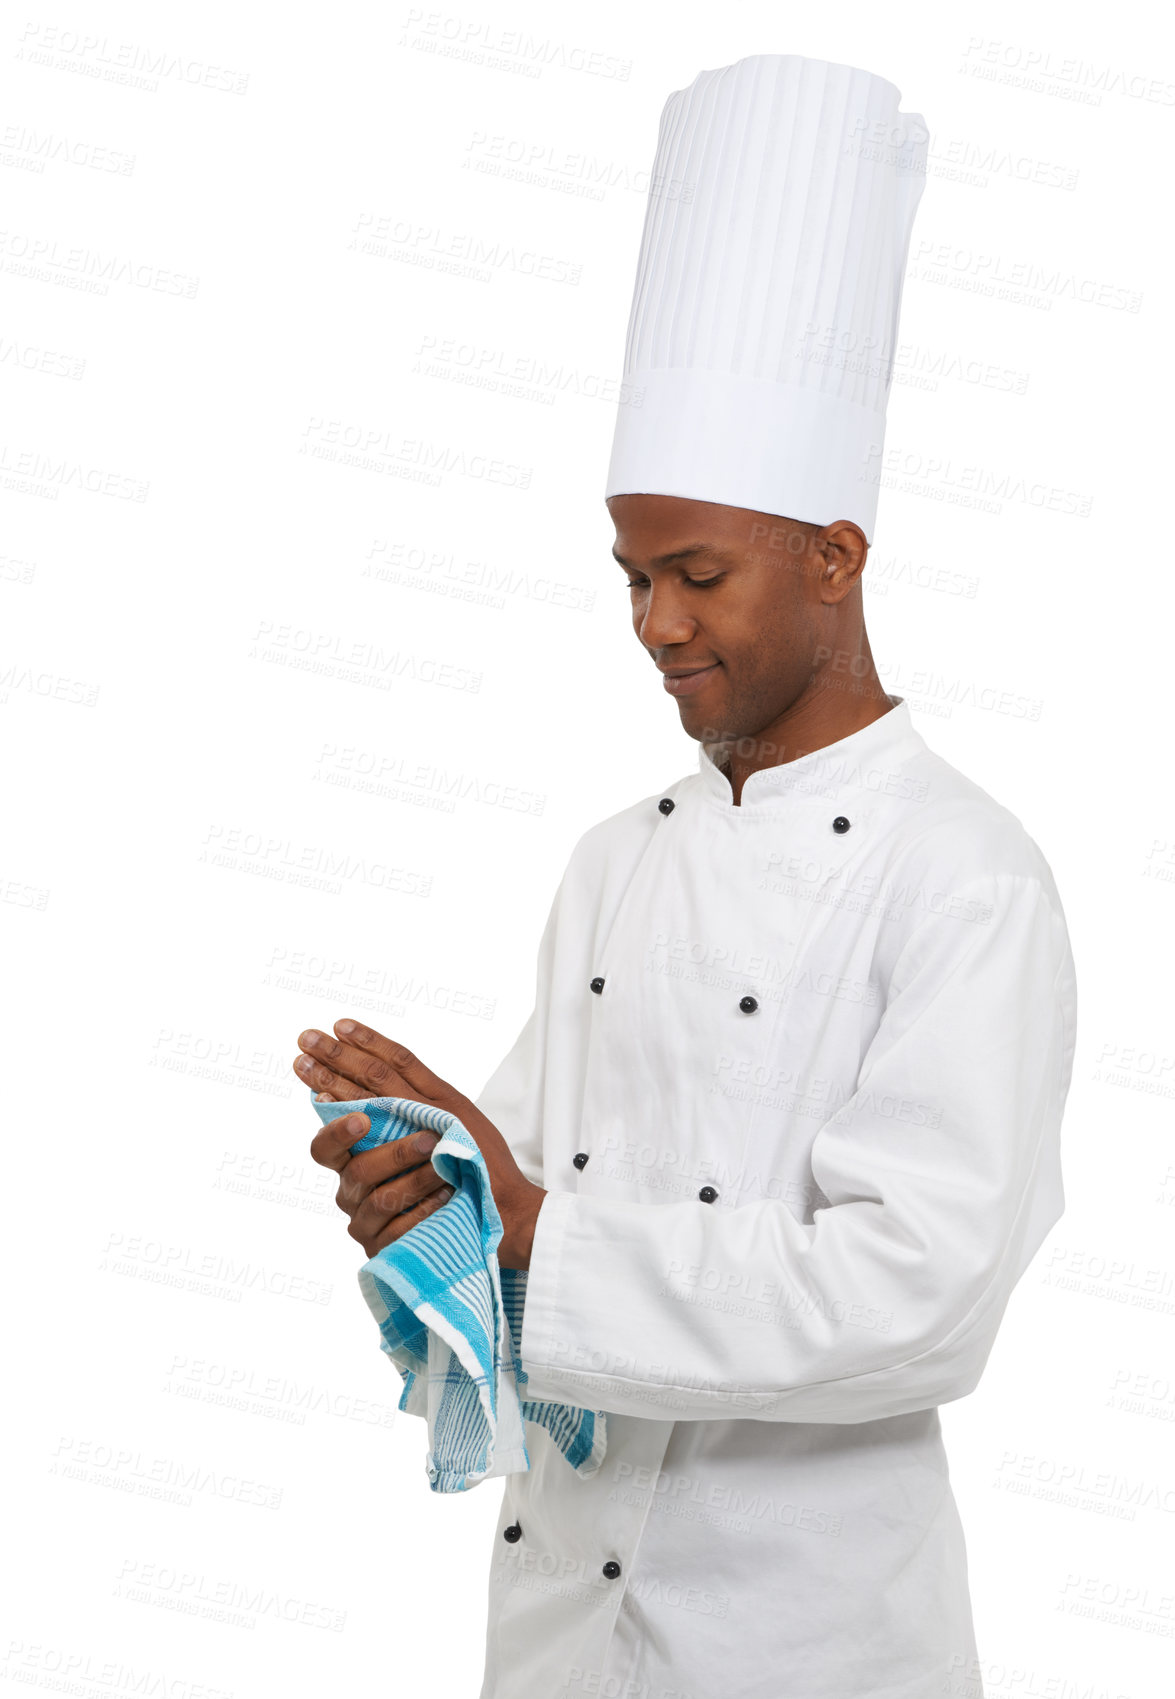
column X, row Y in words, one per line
column 742, row 1314
column 889, row 1298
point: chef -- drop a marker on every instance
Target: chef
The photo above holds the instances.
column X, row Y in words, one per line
column 781, row 1132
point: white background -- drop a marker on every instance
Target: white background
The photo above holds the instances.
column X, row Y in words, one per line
column 231, row 656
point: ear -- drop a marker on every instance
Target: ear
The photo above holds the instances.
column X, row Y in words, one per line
column 841, row 549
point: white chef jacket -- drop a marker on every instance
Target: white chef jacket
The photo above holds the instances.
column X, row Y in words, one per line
column 793, row 1081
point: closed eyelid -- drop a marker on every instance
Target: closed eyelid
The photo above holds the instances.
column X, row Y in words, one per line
column 699, row 583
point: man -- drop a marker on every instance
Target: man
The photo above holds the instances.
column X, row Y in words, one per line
column 781, row 1133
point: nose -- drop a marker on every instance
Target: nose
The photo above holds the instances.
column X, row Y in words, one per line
column 662, row 620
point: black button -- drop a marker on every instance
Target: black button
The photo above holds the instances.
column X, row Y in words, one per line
column 666, row 805
column 748, row 1005
column 840, row 824
column 512, row 1533
column 597, row 984
column 611, row 1569
column 707, row 1194
column 580, row 1159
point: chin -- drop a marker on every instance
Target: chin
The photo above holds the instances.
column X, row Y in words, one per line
column 700, row 721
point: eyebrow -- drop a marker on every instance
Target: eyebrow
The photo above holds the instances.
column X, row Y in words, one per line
column 689, row 552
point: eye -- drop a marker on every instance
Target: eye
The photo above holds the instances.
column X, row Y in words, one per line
column 701, row 583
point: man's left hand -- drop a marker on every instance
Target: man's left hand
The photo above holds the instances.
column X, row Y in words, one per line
column 357, row 1062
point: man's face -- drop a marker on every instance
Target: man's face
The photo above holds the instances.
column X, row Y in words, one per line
column 742, row 610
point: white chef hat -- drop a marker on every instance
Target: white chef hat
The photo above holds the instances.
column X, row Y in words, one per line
column 764, row 318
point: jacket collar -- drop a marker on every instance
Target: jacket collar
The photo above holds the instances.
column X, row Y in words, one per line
column 867, row 762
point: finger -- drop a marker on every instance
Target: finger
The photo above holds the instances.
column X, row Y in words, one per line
column 331, row 1147
column 383, row 1203
column 386, row 1051
column 346, row 1062
column 401, row 1224
column 370, row 1168
column 331, row 1085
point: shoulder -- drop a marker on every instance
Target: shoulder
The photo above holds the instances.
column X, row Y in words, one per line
column 963, row 881
column 951, row 831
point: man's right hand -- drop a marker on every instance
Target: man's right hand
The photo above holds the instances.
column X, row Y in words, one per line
column 385, row 1191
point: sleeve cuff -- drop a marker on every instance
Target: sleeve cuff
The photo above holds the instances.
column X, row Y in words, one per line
column 545, row 1324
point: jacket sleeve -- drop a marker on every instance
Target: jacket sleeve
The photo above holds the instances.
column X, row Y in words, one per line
column 889, row 1301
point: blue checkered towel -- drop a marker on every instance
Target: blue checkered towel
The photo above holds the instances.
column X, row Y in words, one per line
column 451, row 1319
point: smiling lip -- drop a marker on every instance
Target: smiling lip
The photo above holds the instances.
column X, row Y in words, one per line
column 685, row 683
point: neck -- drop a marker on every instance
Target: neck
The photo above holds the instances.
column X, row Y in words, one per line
column 832, row 707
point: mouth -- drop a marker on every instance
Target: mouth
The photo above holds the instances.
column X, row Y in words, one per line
column 687, row 683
